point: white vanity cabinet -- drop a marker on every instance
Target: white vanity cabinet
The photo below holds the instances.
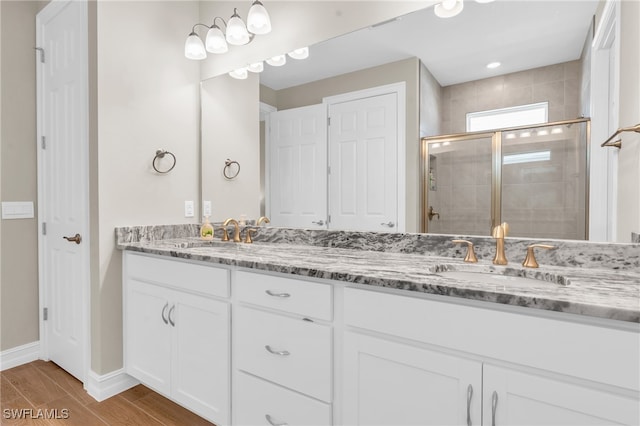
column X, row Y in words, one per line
column 409, row 361
column 282, row 350
column 177, row 335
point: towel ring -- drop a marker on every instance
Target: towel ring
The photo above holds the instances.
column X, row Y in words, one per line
column 227, row 168
column 160, row 154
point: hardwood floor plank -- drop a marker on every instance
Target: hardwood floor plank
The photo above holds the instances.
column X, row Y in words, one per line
column 65, row 380
column 117, row 411
column 19, row 414
column 136, row 392
column 168, row 412
column 8, row 392
column 34, row 385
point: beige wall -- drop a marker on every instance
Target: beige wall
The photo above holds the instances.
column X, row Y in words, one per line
column 629, row 155
column 406, row 70
column 231, row 129
column 430, row 104
column 299, row 23
column 148, row 98
column 558, row 84
column 19, row 273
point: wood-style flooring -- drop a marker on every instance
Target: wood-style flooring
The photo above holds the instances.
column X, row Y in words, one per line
column 43, row 387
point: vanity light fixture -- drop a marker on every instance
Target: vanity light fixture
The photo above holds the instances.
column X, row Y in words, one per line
column 235, row 32
column 302, row 53
column 448, row 8
column 493, row 65
column 556, row 130
column 240, row 74
column 277, row 61
column 256, row 67
column 526, row 134
column 543, row 132
column 484, row 1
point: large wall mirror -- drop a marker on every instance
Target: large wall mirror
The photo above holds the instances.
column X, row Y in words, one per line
column 544, row 53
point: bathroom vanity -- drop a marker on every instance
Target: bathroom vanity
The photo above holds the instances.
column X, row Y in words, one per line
column 275, row 333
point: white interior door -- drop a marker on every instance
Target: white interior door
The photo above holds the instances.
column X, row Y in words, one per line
column 298, row 167
column 63, row 182
column 363, row 155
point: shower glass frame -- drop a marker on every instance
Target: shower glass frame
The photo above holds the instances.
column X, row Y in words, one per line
column 496, row 167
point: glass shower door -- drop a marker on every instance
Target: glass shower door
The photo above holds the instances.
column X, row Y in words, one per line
column 544, row 177
column 458, row 182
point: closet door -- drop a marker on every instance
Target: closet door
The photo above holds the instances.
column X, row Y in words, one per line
column 363, row 179
column 298, row 167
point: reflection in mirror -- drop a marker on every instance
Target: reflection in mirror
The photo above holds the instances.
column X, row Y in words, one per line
column 544, row 49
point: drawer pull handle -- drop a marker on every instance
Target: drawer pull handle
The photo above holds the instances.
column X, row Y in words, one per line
column 270, row 293
column 164, row 319
column 279, row 353
column 494, row 405
column 469, row 395
column 271, row 422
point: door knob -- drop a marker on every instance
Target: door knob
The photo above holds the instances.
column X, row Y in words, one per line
column 389, row 224
column 75, row 239
column 319, row 222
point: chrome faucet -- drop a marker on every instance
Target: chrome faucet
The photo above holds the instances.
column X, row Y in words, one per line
column 499, row 232
column 236, row 230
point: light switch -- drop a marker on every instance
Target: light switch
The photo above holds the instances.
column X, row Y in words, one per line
column 189, row 209
column 206, row 208
column 17, row 209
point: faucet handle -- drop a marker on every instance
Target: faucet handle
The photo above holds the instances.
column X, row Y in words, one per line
column 471, row 254
column 500, row 231
column 530, row 260
column 247, row 235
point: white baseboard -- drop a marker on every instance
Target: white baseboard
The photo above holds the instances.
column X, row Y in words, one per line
column 108, row 385
column 19, row 355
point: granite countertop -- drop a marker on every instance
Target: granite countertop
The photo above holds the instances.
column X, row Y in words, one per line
column 605, row 293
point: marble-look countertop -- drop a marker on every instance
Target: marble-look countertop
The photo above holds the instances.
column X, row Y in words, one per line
column 605, row 293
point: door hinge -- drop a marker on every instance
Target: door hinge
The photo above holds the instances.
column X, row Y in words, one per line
column 44, row 228
column 41, row 50
column 328, row 121
column 45, row 314
column 328, row 170
column 328, row 219
column 44, row 142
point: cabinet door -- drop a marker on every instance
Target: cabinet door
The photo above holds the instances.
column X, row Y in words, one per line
column 200, row 346
column 389, row 383
column 148, row 335
column 515, row 398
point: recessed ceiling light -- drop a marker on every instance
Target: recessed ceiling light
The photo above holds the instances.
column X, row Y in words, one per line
column 493, row 65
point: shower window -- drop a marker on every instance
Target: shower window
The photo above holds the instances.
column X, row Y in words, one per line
column 523, row 115
column 534, row 178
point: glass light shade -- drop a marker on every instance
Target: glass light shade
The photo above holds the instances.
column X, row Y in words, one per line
column 302, row 53
column 237, row 33
column 443, row 12
column 194, row 48
column 239, row 74
column 215, row 41
column 256, row 67
column 277, row 61
column 258, row 21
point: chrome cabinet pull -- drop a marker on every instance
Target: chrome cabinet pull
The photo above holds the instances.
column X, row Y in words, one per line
column 389, row 224
column 279, row 353
column 494, row 405
column 469, row 395
column 270, row 293
column 171, row 321
column 271, row 422
column 164, row 319
column 318, row 222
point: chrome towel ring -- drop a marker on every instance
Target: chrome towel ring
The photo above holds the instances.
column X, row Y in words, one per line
column 160, row 154
column 228, row 171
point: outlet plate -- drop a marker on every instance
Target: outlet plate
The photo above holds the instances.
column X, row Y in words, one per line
column 206, row 208
column 189, row 209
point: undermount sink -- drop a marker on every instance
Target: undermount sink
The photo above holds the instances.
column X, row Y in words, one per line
column 501, row 277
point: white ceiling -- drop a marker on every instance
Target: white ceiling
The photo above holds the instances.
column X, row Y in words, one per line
column 520, row 34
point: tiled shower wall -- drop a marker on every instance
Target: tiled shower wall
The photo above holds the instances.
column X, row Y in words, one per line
column 558, row 84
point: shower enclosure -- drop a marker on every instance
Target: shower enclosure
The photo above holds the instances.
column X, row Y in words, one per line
column 535, row 178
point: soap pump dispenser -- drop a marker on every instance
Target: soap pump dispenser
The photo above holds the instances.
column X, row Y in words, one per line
column 206, row 230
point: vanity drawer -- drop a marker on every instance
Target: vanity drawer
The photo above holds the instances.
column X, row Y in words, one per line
column 291, row 352
column 256, row 399
column 290, row 295
column 203, row 279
